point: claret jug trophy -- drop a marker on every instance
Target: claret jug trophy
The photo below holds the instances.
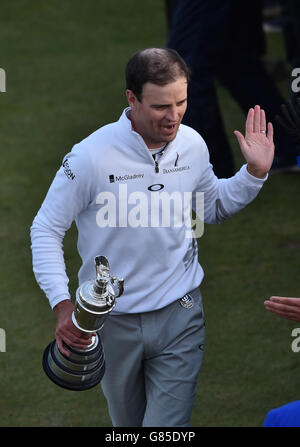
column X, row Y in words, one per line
column 95, row 299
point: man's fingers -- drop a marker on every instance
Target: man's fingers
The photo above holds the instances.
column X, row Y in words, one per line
column 284, row 307
column 61, row 347
column 72, row 343
column 81, row 342
column 289, row 315
column 70, row 329
column 249, row 121
column 256, row 124
column 240, row 138
column 270, row 133
column 285, row 300
column 263, row 125
column 256, row 120
column 79, row 334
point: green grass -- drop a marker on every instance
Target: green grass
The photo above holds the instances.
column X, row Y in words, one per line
column 65, row 63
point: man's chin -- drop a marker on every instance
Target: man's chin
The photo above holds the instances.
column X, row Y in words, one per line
column 170, row 137
column 163, row 140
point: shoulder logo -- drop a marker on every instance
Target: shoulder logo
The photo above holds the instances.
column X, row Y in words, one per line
column 67, row 169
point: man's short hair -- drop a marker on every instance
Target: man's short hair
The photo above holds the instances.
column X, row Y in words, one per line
column 157, row 65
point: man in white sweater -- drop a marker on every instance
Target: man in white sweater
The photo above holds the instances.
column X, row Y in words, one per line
column 115, row 185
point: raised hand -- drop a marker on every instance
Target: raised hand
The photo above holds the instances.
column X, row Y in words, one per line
column 257, row 146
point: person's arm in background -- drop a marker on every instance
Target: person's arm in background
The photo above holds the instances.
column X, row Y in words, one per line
column 286, row 307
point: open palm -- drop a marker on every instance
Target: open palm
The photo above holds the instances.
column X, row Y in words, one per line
column 257, row 146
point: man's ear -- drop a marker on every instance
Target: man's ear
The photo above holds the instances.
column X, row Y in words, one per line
column 131, row 98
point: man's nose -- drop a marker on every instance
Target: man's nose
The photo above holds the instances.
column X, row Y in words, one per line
column 172, row 115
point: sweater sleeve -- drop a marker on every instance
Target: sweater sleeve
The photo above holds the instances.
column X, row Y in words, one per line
column 225, row 197
column 68, row 195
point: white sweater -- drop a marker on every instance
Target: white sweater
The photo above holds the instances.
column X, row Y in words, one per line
column 103, row 184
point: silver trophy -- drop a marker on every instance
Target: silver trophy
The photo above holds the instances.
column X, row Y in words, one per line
column 94, row 300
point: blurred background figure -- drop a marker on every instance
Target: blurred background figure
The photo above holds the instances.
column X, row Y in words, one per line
column 291, row 31
column 285, row 416
column 289, row 308
column 224, row 40
column 289, row 120
column 283, row 16
column 273, row 16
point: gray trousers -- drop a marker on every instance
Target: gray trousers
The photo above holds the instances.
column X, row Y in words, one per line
column 152, row 363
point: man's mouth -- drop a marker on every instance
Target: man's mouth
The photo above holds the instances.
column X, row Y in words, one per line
column 169, row 128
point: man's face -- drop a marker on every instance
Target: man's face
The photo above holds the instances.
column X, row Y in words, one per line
column 157, row 117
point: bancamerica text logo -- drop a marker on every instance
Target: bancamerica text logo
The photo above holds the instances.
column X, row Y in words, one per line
column 156, row 208
column 67, row 170
column 182, row 168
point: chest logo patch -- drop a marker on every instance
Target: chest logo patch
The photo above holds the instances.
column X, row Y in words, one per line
column 156, row 187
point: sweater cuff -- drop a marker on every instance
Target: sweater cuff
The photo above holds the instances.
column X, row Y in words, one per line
column 251, row 179
column 53, row 302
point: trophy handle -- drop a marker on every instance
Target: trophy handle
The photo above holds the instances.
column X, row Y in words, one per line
column 120, row 283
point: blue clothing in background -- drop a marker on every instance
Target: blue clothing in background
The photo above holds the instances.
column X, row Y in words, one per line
column 286, row 416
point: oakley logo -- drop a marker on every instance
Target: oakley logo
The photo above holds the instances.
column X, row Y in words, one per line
column 156, row 187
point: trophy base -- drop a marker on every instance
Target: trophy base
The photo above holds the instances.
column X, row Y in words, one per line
column 81, row 371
